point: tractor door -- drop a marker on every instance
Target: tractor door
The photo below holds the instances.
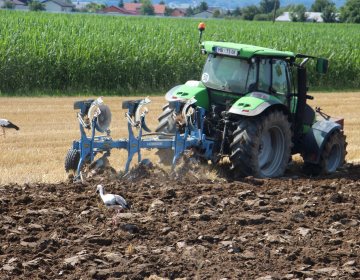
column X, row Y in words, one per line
column 274, row 78
column 280, row 80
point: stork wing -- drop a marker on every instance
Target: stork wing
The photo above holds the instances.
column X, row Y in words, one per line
column 122, row 202
column 116, row 200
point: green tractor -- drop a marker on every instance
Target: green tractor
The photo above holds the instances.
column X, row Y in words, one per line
column 253, row 115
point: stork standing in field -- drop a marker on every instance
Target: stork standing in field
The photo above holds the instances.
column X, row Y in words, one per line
column 5, row 124
column 113, row 201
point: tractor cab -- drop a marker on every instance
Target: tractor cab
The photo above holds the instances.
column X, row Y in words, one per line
column 241, row 76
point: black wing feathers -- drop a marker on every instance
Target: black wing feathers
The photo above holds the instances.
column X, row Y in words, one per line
column 121, row 201
column 11, row 125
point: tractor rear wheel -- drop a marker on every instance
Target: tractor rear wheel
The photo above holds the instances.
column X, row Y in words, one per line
column 262, row 145
column 72, row 159
column 332, row 155
column 166, row 125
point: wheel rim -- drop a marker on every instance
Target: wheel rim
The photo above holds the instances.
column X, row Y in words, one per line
column 271, row 151
column 334, row 158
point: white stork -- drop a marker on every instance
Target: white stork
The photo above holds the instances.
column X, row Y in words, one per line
column 5, row 124
column 113, row 201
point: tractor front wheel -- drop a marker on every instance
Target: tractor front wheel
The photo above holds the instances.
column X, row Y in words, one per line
column 261, row 145
column 332, row 155
column 72, row 159
column 166, row 125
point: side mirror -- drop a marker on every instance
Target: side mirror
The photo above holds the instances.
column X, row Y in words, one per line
column 322, row 65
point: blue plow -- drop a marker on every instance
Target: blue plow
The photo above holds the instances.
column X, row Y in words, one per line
column 191, row 134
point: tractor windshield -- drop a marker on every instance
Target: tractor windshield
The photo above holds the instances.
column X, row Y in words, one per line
column 228, row 74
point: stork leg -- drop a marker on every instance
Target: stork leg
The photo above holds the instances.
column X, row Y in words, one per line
column 115, row 220
column 3, row 132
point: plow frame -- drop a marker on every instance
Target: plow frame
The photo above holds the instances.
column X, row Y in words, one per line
column 179, row 142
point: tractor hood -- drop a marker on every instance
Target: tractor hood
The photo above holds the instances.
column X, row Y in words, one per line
column 253, row 104
column 190, row 89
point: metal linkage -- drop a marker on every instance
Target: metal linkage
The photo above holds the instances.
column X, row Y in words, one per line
column 88, row 147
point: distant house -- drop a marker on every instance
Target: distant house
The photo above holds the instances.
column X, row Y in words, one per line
column 178, row 12
column 159, row 10
column 132, row 6
column 284, row 17
column 204, row 14
column 117, row 10
column 17, row 3
column 312, row 17
column 58, row 6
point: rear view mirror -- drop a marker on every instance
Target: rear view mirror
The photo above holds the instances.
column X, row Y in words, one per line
column 321, row 65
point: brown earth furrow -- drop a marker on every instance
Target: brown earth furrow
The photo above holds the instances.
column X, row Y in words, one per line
column 282, row 228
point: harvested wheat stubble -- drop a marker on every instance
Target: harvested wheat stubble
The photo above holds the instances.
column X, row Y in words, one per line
column 36, row 152
column 181, row 226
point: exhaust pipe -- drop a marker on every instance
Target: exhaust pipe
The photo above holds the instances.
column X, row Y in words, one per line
column 301, row 98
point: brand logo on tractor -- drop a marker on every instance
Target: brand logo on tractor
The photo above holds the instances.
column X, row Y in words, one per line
column 106, row 144
column 205, row 77
column 86, row 146
column 133, row 145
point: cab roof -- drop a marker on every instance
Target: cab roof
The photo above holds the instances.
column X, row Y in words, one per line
column 246, row 51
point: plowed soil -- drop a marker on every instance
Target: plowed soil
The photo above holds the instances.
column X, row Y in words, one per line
column 183, row 226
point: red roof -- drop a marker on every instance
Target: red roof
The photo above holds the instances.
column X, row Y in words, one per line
column 131, row 6
column 182, row 10
column 114, row 8
column 158, row 9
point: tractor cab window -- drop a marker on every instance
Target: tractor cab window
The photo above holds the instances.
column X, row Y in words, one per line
column 274, row 73
column 228, row 74
column 279, row 81
column 264, row 75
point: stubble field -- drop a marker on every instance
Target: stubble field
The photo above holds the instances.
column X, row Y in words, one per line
column 36, row 152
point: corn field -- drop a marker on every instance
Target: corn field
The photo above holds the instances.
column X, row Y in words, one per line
column 46, row 51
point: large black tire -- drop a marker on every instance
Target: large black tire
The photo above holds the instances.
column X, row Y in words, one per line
column 332, row 155
column 166, row 112
column 166, row 125
column 262, row 145
column 72, row 159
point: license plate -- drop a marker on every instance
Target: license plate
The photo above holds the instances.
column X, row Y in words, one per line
column 226, row 51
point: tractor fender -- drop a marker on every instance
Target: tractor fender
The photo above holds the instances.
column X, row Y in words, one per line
column 315, row 140
column 191, row 89
column 169, row 94
column 261, row 108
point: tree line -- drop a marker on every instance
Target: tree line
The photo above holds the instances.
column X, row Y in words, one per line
column 267, row 10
